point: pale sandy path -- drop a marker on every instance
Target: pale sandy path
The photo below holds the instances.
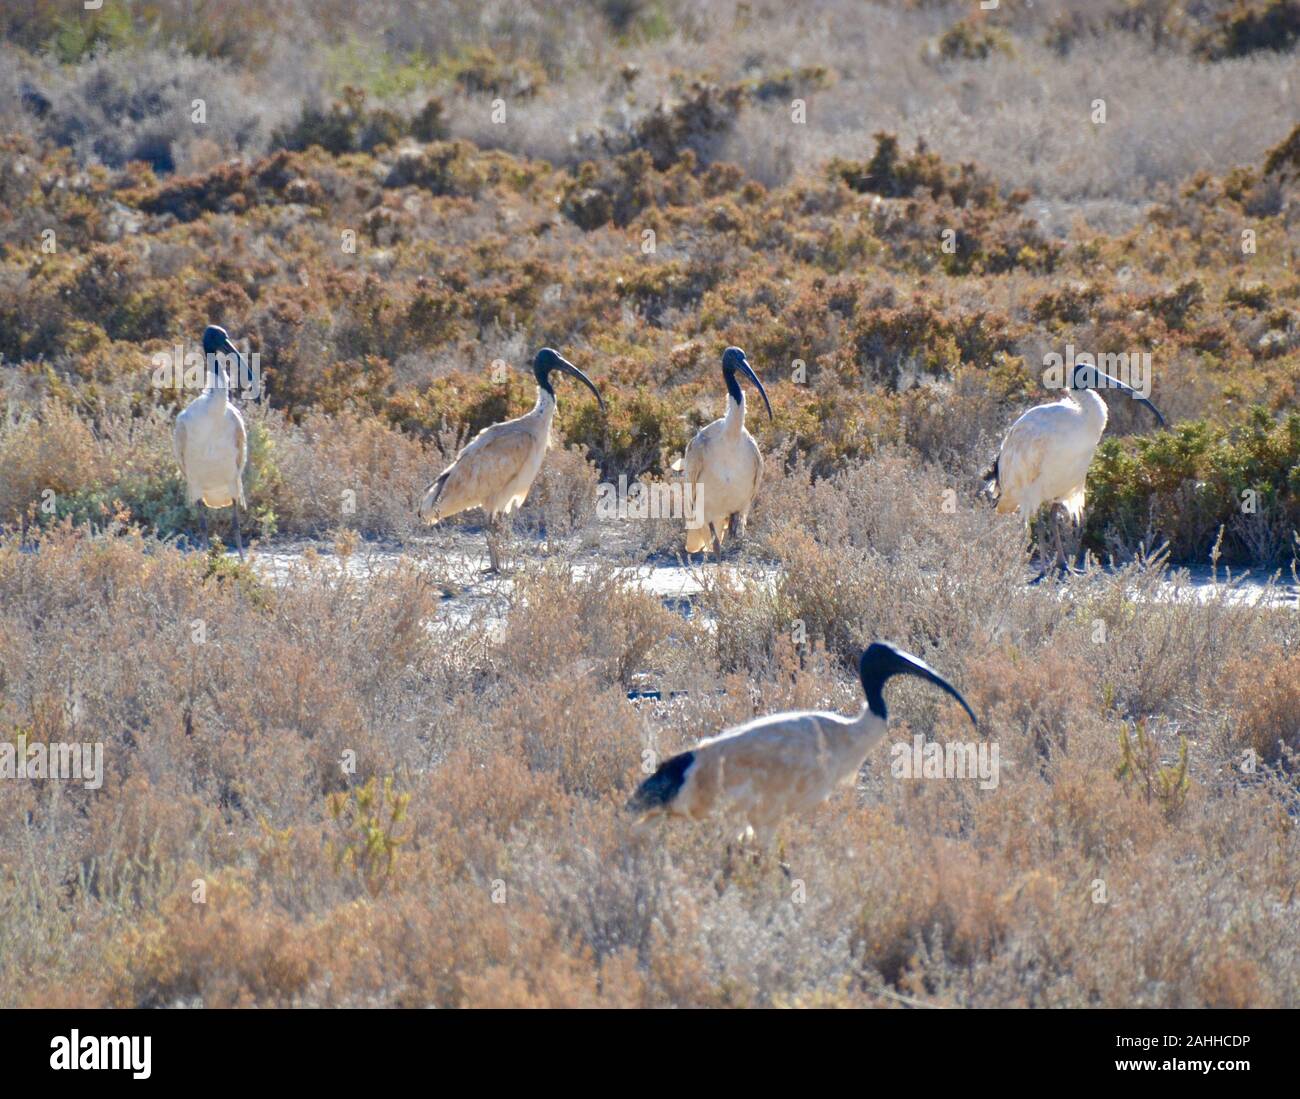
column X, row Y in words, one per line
column 459, row 570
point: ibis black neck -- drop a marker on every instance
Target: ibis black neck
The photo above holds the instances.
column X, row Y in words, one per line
column 733, row 386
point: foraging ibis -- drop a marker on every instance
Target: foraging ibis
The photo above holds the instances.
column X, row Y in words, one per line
column 209, row 439
column 759, row 772
column 722, row 464
column 498, row 466
column 1045, row 456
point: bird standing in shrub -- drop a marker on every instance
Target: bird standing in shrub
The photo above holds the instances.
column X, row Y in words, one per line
column 759, row 772
column 723, row 465
column 498, row 466
column 1045, row 457
column 209, row 439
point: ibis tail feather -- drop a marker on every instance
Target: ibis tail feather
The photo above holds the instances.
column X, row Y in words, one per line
column 992, row 477
column 429, row 504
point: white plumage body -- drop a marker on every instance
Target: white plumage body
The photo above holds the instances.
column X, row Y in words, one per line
column 211, row 447
column 1046, row 454
column 760, row 772
column 723, row 466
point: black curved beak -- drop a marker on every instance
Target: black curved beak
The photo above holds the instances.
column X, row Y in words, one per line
column 881, row 660
column 231, row 349
column 749, row 373
column 569, row 368
column 1115, row 383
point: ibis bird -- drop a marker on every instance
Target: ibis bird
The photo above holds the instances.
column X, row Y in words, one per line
column 498, row 466
column 209, row 439
column 1045, row 456
column 755, row 774
column 722, row 465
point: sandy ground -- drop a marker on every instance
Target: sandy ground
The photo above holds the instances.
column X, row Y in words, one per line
column 458, row 567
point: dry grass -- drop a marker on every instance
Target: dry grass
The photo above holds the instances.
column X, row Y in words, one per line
column 337, row 780
column 511, row 745
column 1171, row 113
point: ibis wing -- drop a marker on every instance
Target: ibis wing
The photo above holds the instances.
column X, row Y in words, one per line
column 486, row 467
column 241, row 443
column 691, row 463
column 1027, row 446
column 692, row 466
column 772, row 765
column 769, row 735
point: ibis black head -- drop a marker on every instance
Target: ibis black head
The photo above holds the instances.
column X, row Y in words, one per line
column 733, row 359
column 548, row 359
column 216, row 341
column 881, row 660
column 1087, row 376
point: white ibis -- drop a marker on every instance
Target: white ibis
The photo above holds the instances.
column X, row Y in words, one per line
column 498, row 466
column 755, row 774
column 209, row 439
column 722, row 464
column 1045, row 457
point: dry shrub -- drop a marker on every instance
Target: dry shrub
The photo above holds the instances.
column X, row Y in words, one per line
column 589, row 749
column 1037, row 697
column 232, row 950
column 501, row 712
column 49, row 448
column 346, row 471
column 562, row 500
column 517, row 878
column 1265, row 701
column 327, row 472
column 597, row 624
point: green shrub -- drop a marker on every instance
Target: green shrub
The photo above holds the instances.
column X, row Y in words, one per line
column 1186, row 484
column 154, row 502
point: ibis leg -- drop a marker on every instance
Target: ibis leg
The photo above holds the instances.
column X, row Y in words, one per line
column 494, row 558
column 239, row 540
column 717, row 546
column 1061, row 519
column 1075, row 531
column 1040, row 542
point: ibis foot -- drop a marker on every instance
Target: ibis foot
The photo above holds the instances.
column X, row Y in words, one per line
column 1058, row 571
